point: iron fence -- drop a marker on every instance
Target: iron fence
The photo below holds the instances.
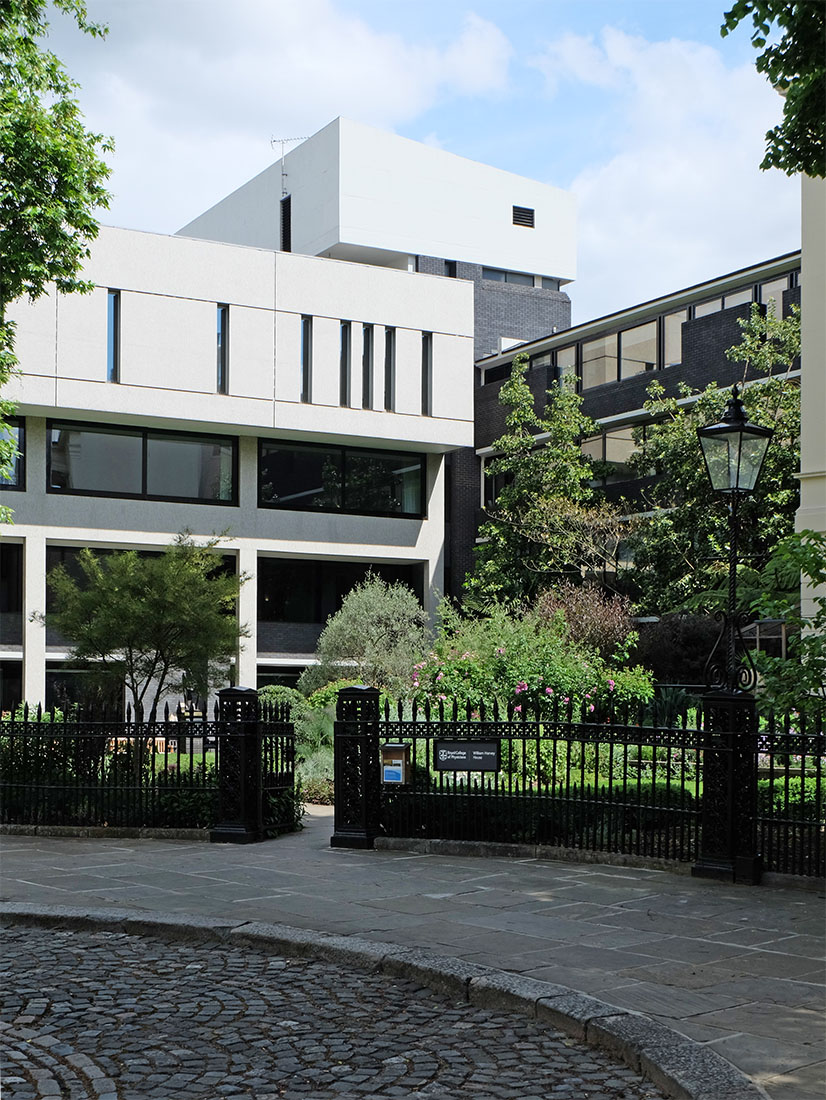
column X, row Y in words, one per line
column 574, row 777
column 94, row 770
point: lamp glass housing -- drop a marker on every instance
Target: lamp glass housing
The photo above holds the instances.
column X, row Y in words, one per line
column 734, row 455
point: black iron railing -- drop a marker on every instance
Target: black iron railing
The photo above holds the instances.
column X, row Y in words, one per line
column 74, row 769
column 571, row 777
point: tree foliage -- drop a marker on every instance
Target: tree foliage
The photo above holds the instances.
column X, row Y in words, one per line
column 164, row 623
column 374, row 638
column 52, row 175
column 795, row 65
column 545, row 524
column 516, row 655
column 592, row 617
column 681, row 545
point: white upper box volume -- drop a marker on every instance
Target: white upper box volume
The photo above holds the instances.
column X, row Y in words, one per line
column 361, row 194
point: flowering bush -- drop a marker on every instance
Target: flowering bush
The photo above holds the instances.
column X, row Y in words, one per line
column 520, row 658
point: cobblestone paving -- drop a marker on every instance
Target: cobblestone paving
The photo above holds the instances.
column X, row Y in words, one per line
column 110, row 1016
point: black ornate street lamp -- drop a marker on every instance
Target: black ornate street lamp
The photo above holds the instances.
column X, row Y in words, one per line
column 733, row 451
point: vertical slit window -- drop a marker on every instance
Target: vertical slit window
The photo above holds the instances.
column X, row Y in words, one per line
column 367, row 367
column 306, row 359
column 113, row 337
column 390, row 369
column 344, row 365
column 222, row 364
column 287, row 224
column 427, row 374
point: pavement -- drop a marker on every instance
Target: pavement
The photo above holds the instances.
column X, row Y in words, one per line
column 738, row 970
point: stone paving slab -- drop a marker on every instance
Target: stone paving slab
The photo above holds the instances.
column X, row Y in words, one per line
column 685, row 934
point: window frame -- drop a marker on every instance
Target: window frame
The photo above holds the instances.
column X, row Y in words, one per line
column 427, row 374
column 389, row 368
column 222, row 357
column 19, row 461
column 144, row 433
column 343, row 452
column 306, row 359
column 113, row 336
column 344, row 363
column 367, row 335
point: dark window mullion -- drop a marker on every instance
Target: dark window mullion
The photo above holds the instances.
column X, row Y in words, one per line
column 144, row 462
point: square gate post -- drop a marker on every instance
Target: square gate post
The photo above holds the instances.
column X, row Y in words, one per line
column 240, row 813
column 728, row 848
column 356, row 747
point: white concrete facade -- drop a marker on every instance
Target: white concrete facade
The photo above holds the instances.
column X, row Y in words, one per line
column 169, row 291
column 358, row 193
column 811, row 514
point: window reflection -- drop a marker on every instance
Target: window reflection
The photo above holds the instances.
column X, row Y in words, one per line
column 599, row 361
column 639, row 349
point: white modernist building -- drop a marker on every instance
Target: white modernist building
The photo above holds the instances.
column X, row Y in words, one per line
column 302, row 404
column 292, row 368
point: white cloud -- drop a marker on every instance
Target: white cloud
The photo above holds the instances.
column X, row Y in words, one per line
column 198, row 95
column 672, row 194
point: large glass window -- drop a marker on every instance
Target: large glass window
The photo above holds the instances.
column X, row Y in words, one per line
column 566, row 363
column 340, row 479
column 703, row 309
column 774, row 290
column 638, row 349
column 738, row 298
column 189, row 468
column 97, row 460
column 14, row 431
column 599, row 361
column 673, row 338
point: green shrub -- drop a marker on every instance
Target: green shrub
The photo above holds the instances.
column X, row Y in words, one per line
column 793, row 798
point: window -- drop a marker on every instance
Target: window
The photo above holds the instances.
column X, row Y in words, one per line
column 703, row 309
column 599, row 361
column 340, row 479
column 390, row 369
column 566, row 363
column 344, row 365
column 223, row 349
column 638, row 349
column 450, row 269
column 738, row 298
column 15, row 476
column 287, row 224
column 306, row 359
column 673, row 338
column 367, row 367
column 550, row 284
column 97, row 460
column 294, row 590
column 523, row 215
column 495, row 275
column 427, row 374
column 493, row 484
column 113, row 336
column 774, row 290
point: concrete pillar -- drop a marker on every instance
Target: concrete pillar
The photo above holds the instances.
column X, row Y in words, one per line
column 247, row 660
column 34, row 632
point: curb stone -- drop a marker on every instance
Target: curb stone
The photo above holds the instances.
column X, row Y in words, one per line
column 677, row 1065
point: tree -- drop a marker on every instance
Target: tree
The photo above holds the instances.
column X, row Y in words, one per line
column 154, row 624
column 375, row 637
column 545, row 523
column 680, row 546
column 796, row 66
column 51, row 173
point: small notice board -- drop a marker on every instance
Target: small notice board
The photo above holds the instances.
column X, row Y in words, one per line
column 466, row 756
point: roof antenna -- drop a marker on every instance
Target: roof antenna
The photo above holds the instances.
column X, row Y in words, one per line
column 282, row 142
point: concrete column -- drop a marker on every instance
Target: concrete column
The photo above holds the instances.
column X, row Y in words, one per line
column 247, row 661
column 34, row 633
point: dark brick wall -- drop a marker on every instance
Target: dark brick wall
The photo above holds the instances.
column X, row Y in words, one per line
column 506, row 309
column 462, row 518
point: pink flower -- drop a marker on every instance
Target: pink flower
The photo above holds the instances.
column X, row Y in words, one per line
column 500, row 652
column 566, row 699
column 443, row 697
column 591, row 707
column 440, row 677
column 611, row 684
column 517, row 710
column 587, row 695
column 465, row 656
column 521, row 686
column 549, row 691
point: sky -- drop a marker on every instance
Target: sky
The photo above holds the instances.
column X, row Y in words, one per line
column 638, row 107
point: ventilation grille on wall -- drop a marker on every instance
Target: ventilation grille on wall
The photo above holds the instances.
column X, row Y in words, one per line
column 286, row 224
column 523, row 215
